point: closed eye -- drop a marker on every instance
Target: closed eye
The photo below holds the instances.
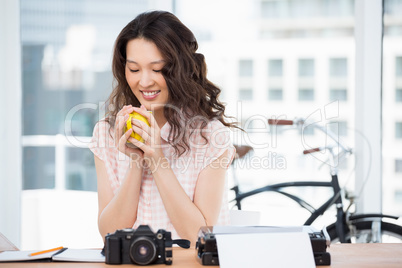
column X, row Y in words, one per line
column 157, row 71
column 133, row 71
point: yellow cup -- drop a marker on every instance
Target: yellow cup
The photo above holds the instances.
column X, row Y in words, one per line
column 135, row 115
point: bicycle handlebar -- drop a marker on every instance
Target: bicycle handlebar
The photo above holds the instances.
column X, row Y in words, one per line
column 280, row 122
column 314, row 150
column 301, row 122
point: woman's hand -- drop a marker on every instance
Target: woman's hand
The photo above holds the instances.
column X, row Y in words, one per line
column 122, row 137
column 151, row 147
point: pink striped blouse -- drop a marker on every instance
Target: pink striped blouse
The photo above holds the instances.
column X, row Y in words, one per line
column 187, row 168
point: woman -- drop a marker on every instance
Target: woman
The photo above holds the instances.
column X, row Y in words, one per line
column 175, row 178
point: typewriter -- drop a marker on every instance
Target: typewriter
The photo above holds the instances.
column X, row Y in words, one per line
column 207, row 251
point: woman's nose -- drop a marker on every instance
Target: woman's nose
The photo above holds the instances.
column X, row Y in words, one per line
column 146, row 80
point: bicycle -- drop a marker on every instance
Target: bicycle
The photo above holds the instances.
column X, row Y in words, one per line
column 348, row 227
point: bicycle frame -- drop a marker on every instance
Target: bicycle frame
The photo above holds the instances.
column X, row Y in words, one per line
column 315, row 213
column 344, row 220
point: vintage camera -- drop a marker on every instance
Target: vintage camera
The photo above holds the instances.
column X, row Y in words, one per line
column 206, row 247
column 319, row 244
column 139, row 246
column 207, row 251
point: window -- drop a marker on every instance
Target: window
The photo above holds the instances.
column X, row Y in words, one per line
column 275, row 68
column 274, row 77
column 66, row 51
column 271, row 9
column 77, row 177
column 275, row 94
column 398, row 130
column 268, row 9
column 391, row 105
column 398, row 197
column 339, row 128
column 398, row 95
column 308, row 131
column 306, row 94
column 338, row 94
column 32, row 171
column 338, row 67
column 392, row 7
column 398, row 165
column 398, row 66
column 246, row 68
column 246, row 94
column 306, row 67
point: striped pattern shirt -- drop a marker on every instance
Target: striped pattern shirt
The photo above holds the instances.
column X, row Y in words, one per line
column 187, row 168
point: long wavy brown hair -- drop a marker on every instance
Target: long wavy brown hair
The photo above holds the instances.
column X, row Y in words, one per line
column 190, row 92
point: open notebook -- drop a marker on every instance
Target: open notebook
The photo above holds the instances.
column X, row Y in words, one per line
column 70, row 255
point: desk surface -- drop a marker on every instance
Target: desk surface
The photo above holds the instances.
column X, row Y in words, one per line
column 342, row 256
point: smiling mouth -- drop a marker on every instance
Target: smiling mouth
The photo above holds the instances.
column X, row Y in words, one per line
column 150, row 93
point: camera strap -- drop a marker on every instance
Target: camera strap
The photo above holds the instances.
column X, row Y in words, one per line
column 183, row 243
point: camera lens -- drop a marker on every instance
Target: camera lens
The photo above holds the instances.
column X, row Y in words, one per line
column 143, row 251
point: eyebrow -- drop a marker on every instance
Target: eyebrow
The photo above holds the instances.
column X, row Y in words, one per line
column 153, row 62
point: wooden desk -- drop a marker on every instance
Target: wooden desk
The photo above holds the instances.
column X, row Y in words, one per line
column 365, row 255
column 342, row 256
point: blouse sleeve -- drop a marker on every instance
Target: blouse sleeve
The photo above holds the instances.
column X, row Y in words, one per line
column 219, row 141
column 102, row 145
column 98, row 141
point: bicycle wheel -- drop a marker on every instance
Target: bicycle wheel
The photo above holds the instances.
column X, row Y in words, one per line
column 390, row 233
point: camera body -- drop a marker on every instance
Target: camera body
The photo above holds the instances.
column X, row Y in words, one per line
column 319, row 245
column 138, row 246
column 207, row 250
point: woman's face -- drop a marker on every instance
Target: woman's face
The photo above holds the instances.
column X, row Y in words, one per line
column 144, row 65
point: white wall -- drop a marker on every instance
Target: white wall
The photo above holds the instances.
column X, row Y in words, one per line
column 10, row 111
column 368, row 116
column 53, row 218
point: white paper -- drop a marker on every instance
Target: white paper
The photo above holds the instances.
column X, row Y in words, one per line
column 17, row 255
column 265, row 250
column 244, row 217
column 80, row 255
column 255, row 229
